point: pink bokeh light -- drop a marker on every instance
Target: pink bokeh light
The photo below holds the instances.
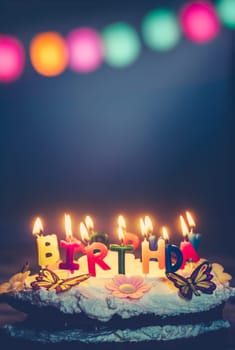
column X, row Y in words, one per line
column 12, row 58
column 199, row 21
column 85, row 50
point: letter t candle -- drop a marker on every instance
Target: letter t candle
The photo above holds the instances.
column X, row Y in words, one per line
column 121, row 249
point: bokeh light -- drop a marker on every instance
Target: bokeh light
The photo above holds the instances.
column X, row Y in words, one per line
column 48, row 53
column 199, row 21
column 226, row 11
column 161, row 30
column 121, row 44
column 12, row 58
column 85, row 50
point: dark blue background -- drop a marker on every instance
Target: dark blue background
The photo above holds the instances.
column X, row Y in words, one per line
column 155, row 137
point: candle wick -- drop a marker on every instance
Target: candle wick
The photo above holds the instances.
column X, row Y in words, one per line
column 186, row 238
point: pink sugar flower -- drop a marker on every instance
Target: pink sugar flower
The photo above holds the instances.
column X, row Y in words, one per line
column 132, row 287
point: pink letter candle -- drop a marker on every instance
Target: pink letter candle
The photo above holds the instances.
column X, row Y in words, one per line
column 188, row 251
column 95, row 252
column 48, row 252
column 71, row 245
column 131, row 239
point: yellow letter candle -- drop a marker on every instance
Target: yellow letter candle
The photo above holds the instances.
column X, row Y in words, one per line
column 48, row 251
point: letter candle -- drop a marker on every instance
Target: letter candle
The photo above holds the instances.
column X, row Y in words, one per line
column 171, row 250
column 128, row 238
column 122, row 248
column 71, row 245
column 148, row 254
column 194, row 238
column 95, row 236
column 95, row 252
column 48, row 252
column 151, row 237
column 188, row 251
column 161, row 245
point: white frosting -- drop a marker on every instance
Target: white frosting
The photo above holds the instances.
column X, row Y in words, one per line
column 154, row 333
column 93, row 299
column 97, row 302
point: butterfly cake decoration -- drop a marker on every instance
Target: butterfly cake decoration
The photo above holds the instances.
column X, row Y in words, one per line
column 199, row 281
column 51, row 281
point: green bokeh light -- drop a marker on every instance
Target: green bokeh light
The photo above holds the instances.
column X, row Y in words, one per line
column 121, row 44
column 161, row 30
column 226, row 12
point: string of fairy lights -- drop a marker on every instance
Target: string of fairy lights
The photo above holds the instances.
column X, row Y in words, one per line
column 119, row 44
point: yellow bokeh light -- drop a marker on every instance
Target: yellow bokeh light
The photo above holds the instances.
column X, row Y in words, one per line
column 48, row 53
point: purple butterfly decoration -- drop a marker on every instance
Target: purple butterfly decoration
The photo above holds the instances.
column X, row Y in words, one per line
column 199, row 281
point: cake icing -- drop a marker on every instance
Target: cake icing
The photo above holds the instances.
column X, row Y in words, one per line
column 152, row 296
column 92, row 298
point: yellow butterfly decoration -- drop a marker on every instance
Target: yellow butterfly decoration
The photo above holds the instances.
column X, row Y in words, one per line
column 220, row 275
column 17, row 282
column 51, row 281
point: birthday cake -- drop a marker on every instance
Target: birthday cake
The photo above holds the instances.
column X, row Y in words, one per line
column 109, row 308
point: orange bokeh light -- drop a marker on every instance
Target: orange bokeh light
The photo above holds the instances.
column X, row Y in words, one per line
column 48, row 53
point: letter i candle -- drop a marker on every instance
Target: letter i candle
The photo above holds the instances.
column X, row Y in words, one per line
column 71, row 246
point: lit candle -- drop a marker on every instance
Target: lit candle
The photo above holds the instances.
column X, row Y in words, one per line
column 71, row 246
column 95, row 252
column 128, row 237
column 48, row 252
column 95, row 236
column 148, row 254
column 144, row 247
column 188, row 251
column 173, row 255
column 121, row 249
column 194, row 238
column 161, row 247
column 151, row 237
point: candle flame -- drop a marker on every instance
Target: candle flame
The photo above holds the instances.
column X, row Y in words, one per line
column 68, row 226
column 143, row 228
column 148, row 224
column 190, row 219
column 184, row 226
column 37, row 227
column 121, row 234
column 84, row 232
column 165, row 233
column 89, row 223
column 121, row 222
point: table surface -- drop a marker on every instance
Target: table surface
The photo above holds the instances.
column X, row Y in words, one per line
column 12, row 260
